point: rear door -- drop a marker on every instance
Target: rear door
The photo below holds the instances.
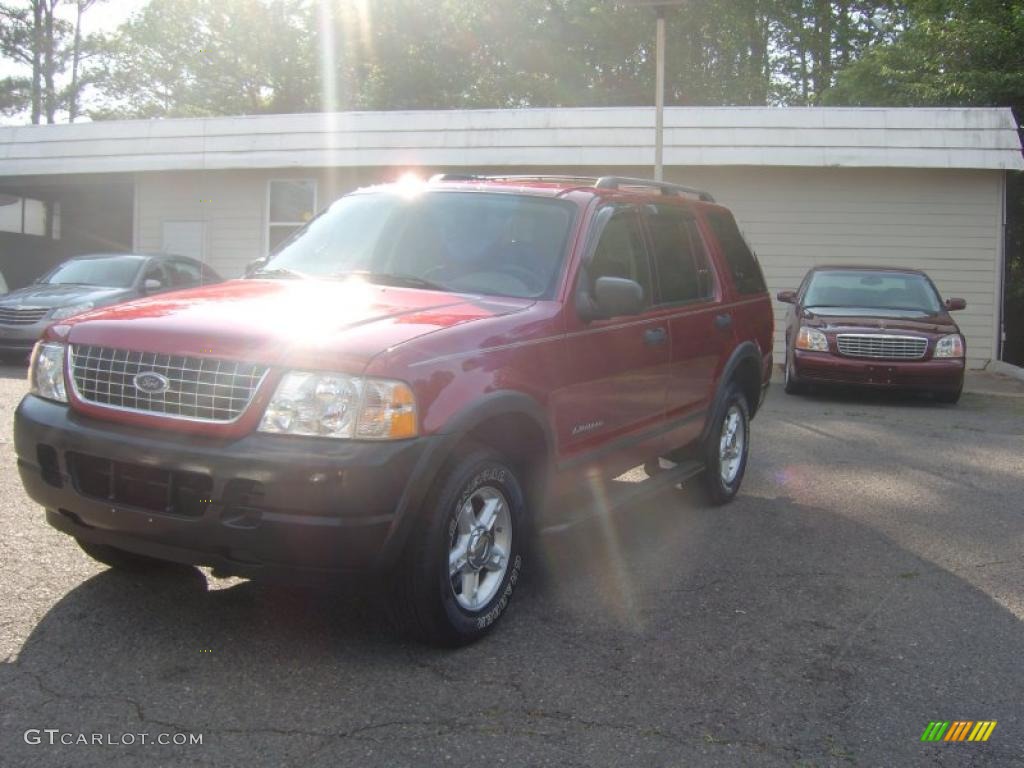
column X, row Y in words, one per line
column 688, row 294
column 613, row 405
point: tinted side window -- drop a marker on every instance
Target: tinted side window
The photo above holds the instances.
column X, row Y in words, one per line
column 679, row 258
column 746, row 273
column 620, row 252
column 184, row 274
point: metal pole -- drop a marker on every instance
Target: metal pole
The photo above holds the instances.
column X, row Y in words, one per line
column 659, row 96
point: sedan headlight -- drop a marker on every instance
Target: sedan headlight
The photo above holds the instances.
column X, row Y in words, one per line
column 334, row 405
column 950, row 346
column 75, row 309
column 46, row 371
column 812, row 339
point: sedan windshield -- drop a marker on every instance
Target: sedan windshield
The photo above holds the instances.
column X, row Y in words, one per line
column 108, row 272
column 496, row 244
column 871, row 290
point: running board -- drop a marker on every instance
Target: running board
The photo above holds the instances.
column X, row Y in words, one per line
column 628, row 488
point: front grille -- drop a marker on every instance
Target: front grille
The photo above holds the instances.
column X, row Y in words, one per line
column 199, row 388
column 133, row 485
column 881, row 346
column 12, row 316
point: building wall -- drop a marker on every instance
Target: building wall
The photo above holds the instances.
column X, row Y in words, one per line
column 947, row 222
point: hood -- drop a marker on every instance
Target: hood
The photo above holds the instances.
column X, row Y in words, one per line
column 873, row 319
column 52, row 296
column 322, row 324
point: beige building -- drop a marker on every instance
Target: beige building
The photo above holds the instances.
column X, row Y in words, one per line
column 921, row 188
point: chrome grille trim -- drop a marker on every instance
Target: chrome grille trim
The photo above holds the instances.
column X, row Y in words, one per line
column 203, row 389
column 22, row 315
column 881, row 346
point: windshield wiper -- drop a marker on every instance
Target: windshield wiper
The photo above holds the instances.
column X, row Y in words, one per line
column 279, row 272
column 391, row 278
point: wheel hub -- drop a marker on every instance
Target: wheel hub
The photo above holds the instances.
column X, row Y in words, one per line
column 479, row 548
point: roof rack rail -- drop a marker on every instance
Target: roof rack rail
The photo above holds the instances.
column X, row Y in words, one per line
column 618, row 182
column 603, row 182
column 590, row 180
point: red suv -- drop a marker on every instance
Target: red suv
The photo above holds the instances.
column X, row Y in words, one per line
column 405, row 385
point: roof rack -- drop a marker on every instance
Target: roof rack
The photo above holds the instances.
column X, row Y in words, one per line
column 618, row 182
column 603, row 182
column 590, row 180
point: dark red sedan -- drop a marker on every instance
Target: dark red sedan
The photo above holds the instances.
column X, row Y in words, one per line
column 873, row 327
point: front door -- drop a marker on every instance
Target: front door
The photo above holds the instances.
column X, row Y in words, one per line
column 610, row 412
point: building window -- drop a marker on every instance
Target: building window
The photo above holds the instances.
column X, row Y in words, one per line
column 290, row 204
column 28, row 216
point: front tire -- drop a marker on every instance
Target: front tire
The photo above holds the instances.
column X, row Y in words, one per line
column 790, row 385
column 463, row 563
column 949, row 398
column 727, row 447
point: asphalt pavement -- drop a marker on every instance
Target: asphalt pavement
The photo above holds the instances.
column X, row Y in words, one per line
column 868, row 580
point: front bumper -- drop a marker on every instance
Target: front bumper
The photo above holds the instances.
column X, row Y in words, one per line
column 943, row 375
column 21, row 338
column 273, row 506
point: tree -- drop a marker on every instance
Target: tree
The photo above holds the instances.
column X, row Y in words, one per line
column 32, row 35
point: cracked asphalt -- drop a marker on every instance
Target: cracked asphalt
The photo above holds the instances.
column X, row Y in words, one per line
column 868, row 580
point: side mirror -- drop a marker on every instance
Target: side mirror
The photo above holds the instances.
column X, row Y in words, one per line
column 152, row 285
column 255, row 265
column 617, row 296
column 786, row 297
column 954, row 304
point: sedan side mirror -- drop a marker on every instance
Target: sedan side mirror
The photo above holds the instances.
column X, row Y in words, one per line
column 786, row 297
column 954, row 304
column 255, row 265
column 152, row 285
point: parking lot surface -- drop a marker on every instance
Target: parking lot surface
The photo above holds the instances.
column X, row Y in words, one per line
column 868, row 580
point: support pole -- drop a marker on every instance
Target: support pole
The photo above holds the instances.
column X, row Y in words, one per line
column 659, row 96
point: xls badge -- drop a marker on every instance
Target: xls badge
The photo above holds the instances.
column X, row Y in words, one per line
column 151, row 383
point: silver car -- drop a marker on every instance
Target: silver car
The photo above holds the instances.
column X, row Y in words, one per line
column 85, row 282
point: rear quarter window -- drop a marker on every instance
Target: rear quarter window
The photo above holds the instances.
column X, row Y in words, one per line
column 742, row 264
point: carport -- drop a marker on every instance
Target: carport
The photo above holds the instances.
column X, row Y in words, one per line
column 46, row 219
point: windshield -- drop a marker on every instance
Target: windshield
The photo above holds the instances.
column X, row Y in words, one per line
column 871, row 290
column 496, row 244
column 109, row 272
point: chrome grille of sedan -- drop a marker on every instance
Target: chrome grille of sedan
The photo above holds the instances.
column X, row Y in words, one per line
column 193, row 388
column 22, row 316
column 881, row 346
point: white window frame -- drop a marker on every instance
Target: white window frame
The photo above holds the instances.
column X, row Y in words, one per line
column 266, row 209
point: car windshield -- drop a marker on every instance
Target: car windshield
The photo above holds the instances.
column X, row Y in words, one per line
column 466, row 242
column 110, row 272
column 871, row 290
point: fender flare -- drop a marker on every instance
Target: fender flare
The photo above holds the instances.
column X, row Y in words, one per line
column 440, row 448
column 745, row 351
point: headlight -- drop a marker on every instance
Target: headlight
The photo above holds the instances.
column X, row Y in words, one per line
column 75, row 309
column 46, row 371
column 950, row 346
column 812, row 339
column 339, row 406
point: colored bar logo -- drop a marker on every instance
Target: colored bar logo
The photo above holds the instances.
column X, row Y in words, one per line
column 958, row 730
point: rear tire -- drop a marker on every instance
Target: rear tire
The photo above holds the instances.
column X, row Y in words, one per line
column 119, row 559
column 727, row 447
column 462, row 565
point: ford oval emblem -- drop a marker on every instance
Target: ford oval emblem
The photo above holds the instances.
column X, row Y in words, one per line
column 151, row 383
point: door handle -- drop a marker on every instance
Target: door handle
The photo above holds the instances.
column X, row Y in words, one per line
column 655, row 336
column 723, row 321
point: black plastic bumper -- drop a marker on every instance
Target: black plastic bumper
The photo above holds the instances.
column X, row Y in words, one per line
column 272, row 506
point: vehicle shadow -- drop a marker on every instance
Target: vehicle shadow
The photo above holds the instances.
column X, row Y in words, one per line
column 768, row 632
